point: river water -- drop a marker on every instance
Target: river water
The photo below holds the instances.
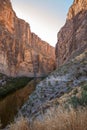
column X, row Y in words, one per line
column 10, row 105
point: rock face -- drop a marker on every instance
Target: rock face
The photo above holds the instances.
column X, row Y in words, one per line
column 72, row 45
column 73, row 35
column 58, row 83
column 21, row 51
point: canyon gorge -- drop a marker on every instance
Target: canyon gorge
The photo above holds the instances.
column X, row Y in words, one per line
column 71, row 60
column 23, row 53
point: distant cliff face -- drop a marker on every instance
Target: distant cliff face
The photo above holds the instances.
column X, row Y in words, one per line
column 73, row 35
column 22, row 52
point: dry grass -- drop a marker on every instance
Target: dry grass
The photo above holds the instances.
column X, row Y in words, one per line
column 57, row 120
column 22, row 124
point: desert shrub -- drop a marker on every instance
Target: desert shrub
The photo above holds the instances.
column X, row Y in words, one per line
column 85, row 87
column 74, row 101
column 81, row 101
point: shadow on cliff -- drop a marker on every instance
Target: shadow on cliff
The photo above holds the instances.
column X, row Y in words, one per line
column 77, row 23
column 72, row 37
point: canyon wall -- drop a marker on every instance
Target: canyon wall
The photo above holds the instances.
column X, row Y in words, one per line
column 21, row 51
column 72, row 46
column 73, row 35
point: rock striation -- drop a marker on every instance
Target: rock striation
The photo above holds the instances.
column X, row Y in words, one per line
column 72, row 36
column 21, row 51
column 72, row 45
column 58, row 83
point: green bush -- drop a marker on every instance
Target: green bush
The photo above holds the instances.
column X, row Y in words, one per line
column 74, row 101
column 85, row 87
column 82, row 101
column 13, row 84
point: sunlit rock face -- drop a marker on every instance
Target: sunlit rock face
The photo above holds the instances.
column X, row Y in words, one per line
column 72, row 36
column 20, row 48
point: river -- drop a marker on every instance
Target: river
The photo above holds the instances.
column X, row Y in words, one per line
column 10, row 105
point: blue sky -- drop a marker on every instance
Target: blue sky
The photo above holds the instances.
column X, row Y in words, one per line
column 45, row 17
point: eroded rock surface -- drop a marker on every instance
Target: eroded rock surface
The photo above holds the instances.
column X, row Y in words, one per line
column 59, row 82
column 21, row 51
column 72, row 45
column 72, row 36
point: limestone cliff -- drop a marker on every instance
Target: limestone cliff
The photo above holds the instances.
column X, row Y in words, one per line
column 62, row 81
column 72, row 45
column 72, row 36
column 21, row 51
